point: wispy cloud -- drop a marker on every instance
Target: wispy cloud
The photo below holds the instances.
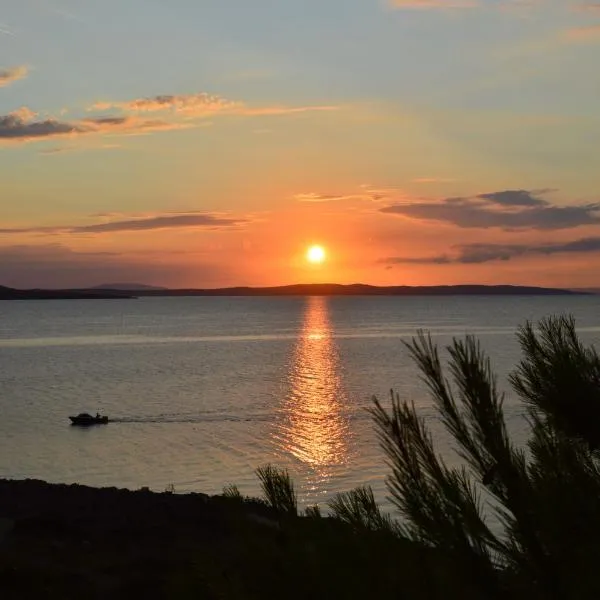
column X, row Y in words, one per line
column 65, row 149
column 514, row 6
column 55, row 8
column 206, row 221
column 587, row 33
column 424, row 4
column 197, row 104
column 507, row 209
column 589, row 7
column 55, row 265
column 12, row 74
column 46, row 251
column 273, row 111
column 201, row 105
column 24, row 114
column 126, row 125
column 433, row 180
column 314, row 197
column 6, row 30
column 380, row 193
column 366, row 193
column 21, row 126
column 483, row 253
column 163, row 221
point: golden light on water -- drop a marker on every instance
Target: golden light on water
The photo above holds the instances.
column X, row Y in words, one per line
column 313, row 428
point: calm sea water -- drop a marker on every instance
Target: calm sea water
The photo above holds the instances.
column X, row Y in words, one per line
column 204, row 390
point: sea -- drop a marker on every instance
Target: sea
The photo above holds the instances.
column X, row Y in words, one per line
column 201, row 391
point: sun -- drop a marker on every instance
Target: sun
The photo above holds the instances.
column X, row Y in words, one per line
column 316, row 255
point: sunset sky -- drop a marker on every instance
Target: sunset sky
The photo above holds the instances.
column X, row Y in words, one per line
column 209, row 143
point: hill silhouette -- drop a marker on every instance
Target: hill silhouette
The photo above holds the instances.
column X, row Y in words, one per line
column 7, row 293
column 360, row 289
column 128, row 287
column 301, row 289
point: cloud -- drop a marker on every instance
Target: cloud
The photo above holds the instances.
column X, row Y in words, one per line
column 483, row 253
column 165, row 221
column 63, row 149
column 513, row 198
column 587, row 33
column 62, row 12
column 432, row 180
column 589, row 7
column 380, row 193
column 202, row 105
column 271, row 111
column 127, row 125
column 514, row 6
column 425, row 4
column 197, row 104
column 45, row 252
column 367, row 194
column 314, row 197
column 23, row 114
column 8, row 76
column 14, row 127
column 507, row 209
column 57, row 266
column 206, row 221
column 20, row 126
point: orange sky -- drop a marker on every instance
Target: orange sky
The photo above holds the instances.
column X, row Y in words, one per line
column 209, row 146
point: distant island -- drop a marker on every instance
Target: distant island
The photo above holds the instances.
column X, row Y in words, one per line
column 7, row 293
column 360, row 289
column 590, row 290
column 105, row 291
column 129, row 287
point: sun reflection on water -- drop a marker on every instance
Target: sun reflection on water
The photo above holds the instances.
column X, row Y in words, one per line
column 312, row 425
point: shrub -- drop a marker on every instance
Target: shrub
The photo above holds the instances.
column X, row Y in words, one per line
column 546, row 496
column 232, row 491
column 313, row 512
column 278, row 489
column 359, row 509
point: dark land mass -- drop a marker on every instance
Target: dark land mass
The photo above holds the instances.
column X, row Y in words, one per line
column 72, row 541
column 7, row 293
column 129, row 287
column 105, row 292
column 359, row 289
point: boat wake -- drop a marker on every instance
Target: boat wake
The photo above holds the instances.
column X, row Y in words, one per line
column 178, row 418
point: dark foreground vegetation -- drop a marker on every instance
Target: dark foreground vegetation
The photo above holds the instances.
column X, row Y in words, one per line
column 78, row 542
column 72, row 541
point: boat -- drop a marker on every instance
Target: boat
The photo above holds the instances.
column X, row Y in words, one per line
column 87, row 419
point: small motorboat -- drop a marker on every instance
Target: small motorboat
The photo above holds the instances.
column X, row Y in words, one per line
column 86, row 419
